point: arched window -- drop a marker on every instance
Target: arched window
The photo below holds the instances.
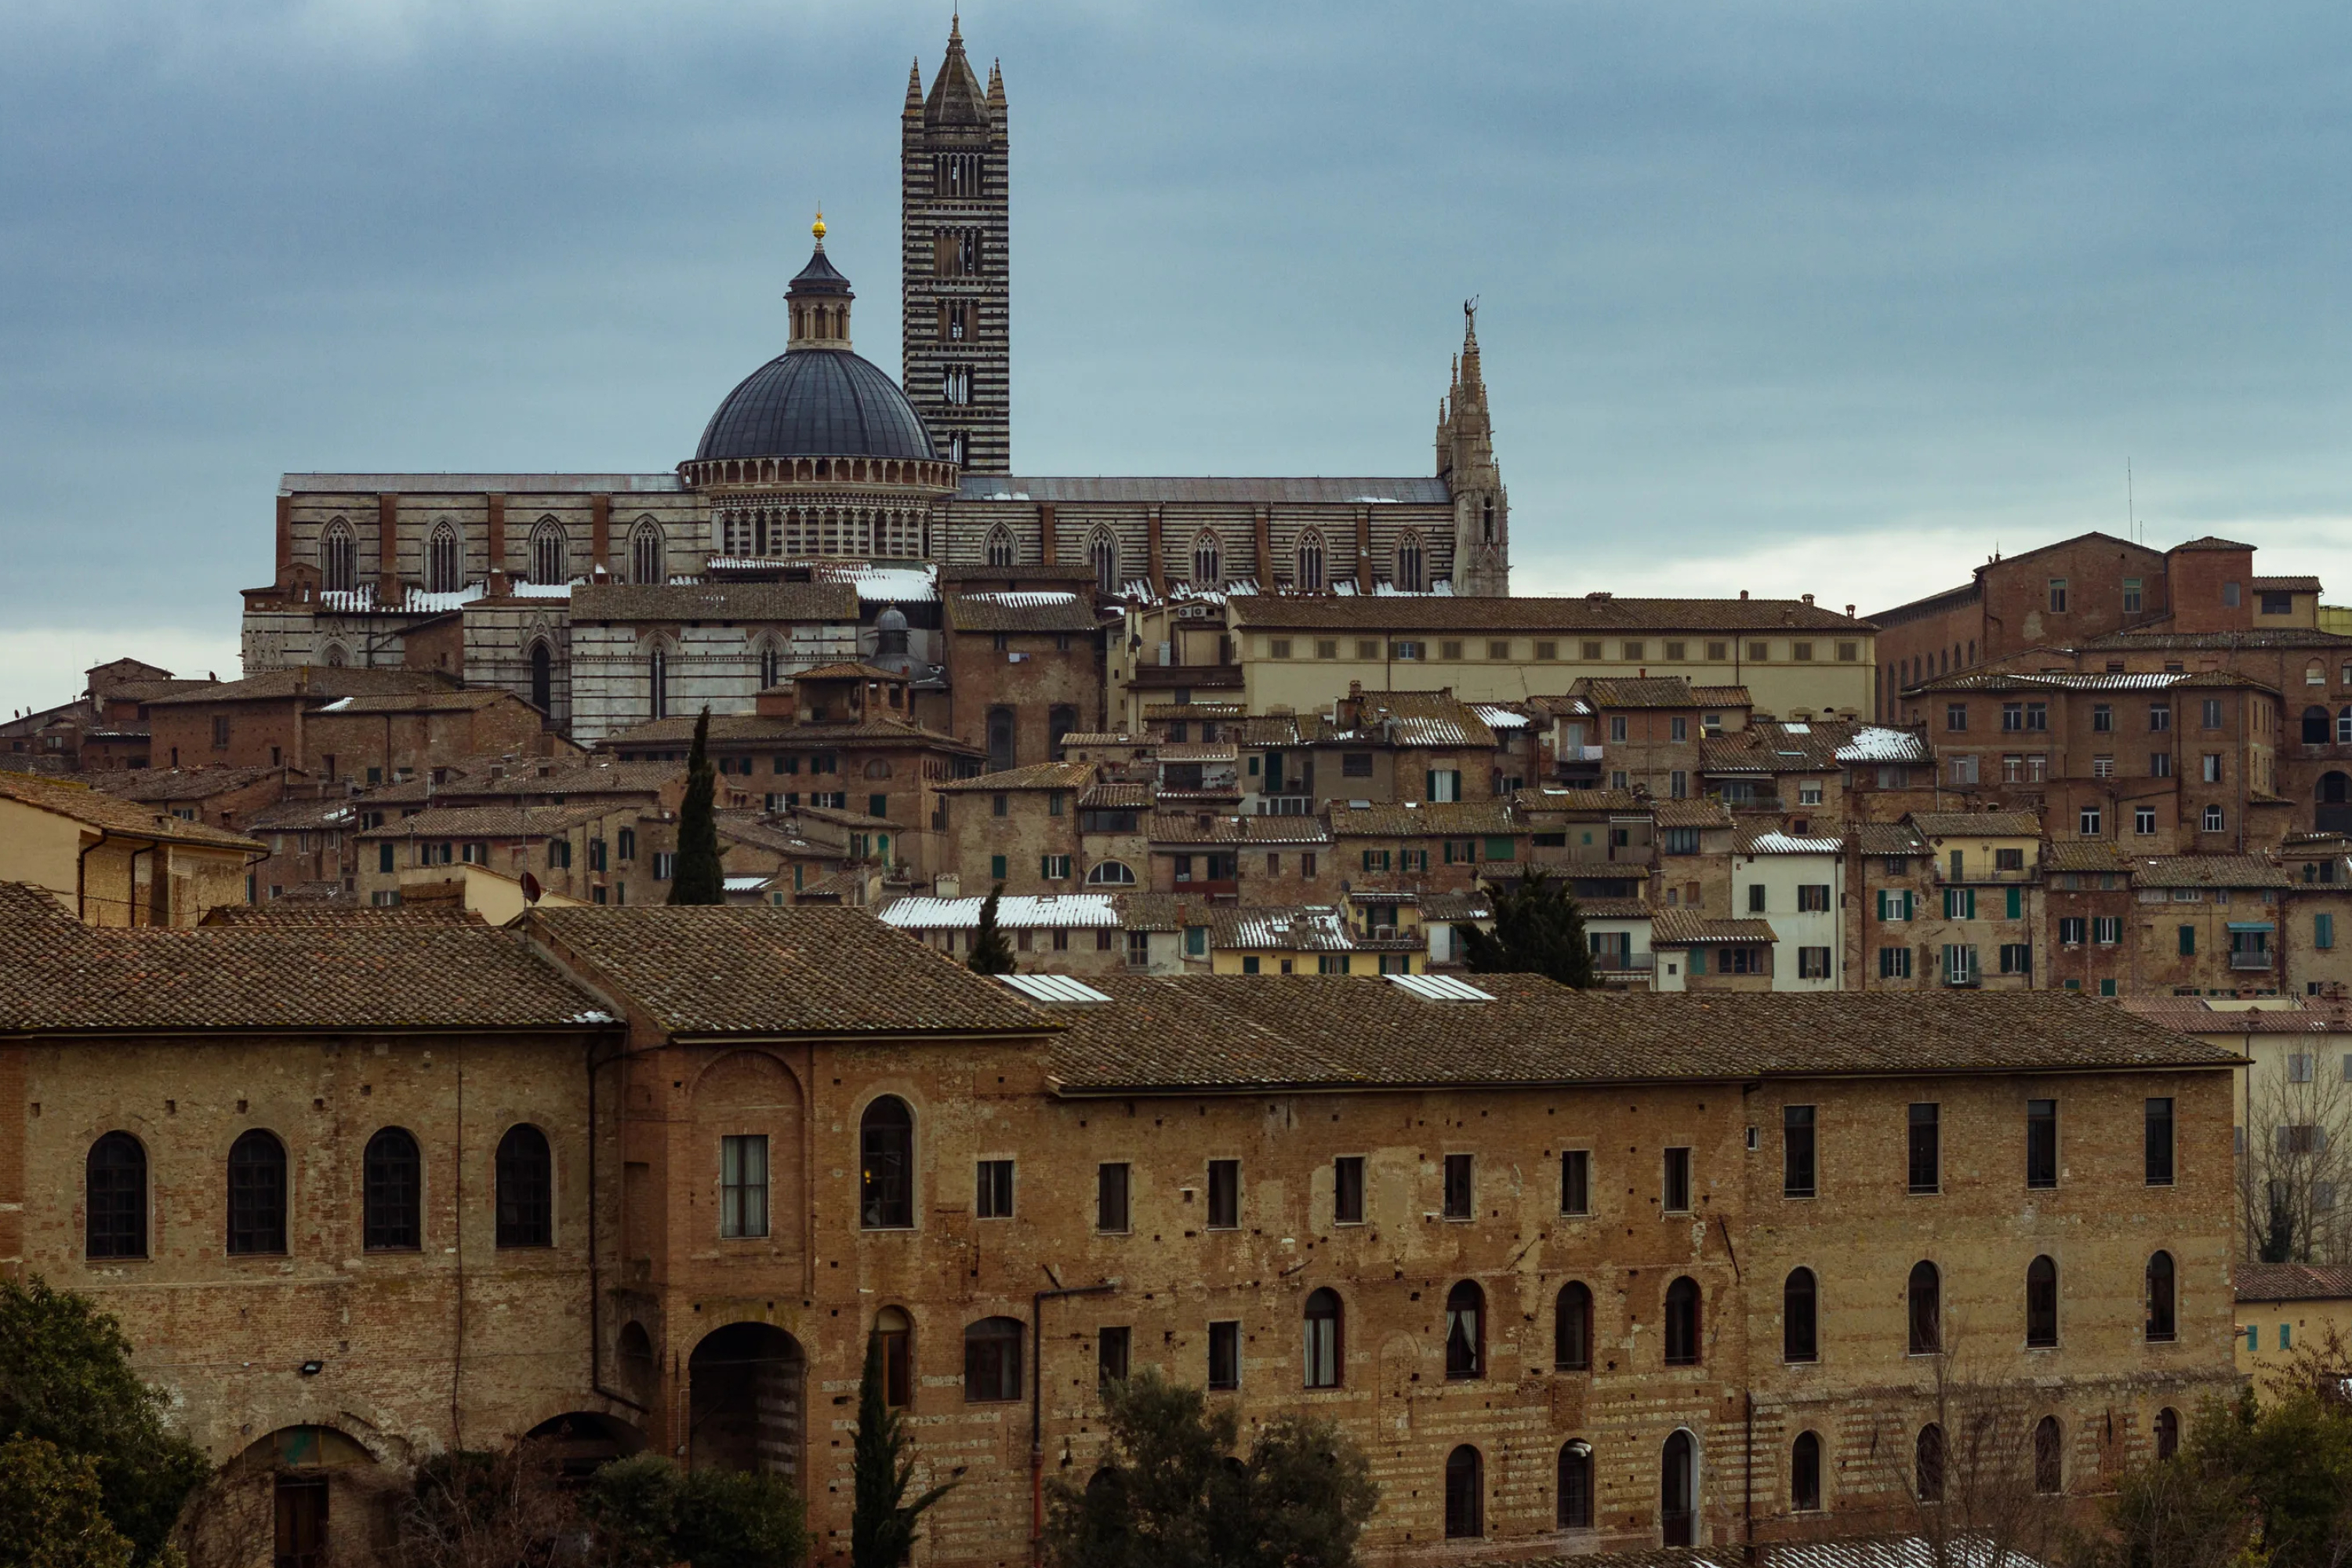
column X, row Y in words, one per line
column 1679, row 1490
column 880, row 768
column 771, row 663
column 543, row 677
column 1926, row 1310
column 1805, row 1473
column 444, row 559
column 2162, row 1317
column 1102, row 553
column 1466, row 1494
column 1000, row 547
column 1208, row 561
column 959, row 449
column 550, row 561
column 2041, row 1303
column 392, row 1192
column 893, row 1328
column 646, row 554
column 657, row 683
column 1407, row 576
column 2168, row 1432
column 1109, row 874
column 525, row 1174
column 115, row 1193
column 339, row 558
column 1487, row 520
column 886, row 1165
column 257, row 1194
column 2049, row 1455
column 2335, row 788
column 1465, row 1331
column 1060, row 720
column 1307, row 573
column 2315, row 726
column 1325, row 1349
column 1571, row 1329
column 1575, row 1489
column 1927, row 1463
column 1682, row 1323
column 1800, row 1337
column 991, row 1360
column 336, row 657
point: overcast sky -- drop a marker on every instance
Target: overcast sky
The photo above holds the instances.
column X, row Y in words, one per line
column 1787, row 296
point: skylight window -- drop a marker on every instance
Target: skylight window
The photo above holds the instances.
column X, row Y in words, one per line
column 1440, row 988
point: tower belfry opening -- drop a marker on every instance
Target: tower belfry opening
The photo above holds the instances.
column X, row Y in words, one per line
column 955, row 262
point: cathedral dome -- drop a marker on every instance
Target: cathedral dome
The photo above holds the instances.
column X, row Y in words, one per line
column 817, row 403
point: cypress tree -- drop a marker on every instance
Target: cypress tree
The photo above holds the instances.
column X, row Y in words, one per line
column 695, row 878
column 991, row 953
column 882, row 1523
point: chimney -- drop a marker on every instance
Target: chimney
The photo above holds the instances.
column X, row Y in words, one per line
column 1809, row 598
column 1849, row 612
column 1743, row 593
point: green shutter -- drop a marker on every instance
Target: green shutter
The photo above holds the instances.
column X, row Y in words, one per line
column 1499, row 849
column 2187, row 942
column 2323, row 930
column 1699, row 961
column 2016, row 903
column 996, row 867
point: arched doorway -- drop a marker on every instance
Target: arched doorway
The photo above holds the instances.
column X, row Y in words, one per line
column 1679, row 1490
column 581, row 1442
column 744, row 1392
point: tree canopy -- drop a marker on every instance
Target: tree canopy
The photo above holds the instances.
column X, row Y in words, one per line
column 1538, row 931
column 991, row 953
column 882, row 1523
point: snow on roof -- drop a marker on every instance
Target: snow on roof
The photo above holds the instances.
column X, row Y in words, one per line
column 337, row 706
column 540, row 590
column 748, row 884
column 1067, row 910
column 1873, row 743
column 1500, row 718
column 1790, row 844
column 1026, row 599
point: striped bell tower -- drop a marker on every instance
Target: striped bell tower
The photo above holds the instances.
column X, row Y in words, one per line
column 957, row 360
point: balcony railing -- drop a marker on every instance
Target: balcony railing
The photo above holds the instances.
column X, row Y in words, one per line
column 2259, row 958
column 1286, row 806
column 1625, row 963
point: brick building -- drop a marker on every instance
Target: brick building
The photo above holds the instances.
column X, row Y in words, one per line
column 1605, row 1271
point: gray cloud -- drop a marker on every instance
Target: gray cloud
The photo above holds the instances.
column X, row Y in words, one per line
column 1820, row 295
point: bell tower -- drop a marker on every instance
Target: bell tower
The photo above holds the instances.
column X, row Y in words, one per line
column 957, row 362
column 1465, row 461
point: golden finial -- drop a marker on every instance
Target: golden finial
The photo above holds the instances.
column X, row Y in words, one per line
column 817, row 228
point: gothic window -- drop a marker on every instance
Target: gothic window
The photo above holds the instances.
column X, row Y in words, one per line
column 257, row 1194
column 339, row 558
column 885, row 1142
column 116, row 1193
column 955, row 385
column 658, row 680
column 645, row 552
column 336, row 657
column 550, row 561
column 1208, row 561
column 771, row 663
column 1487, row 517
column 543, row 677
column 1407, row 576
column 1000, row 547
column 526, row 1188
column 392, row 1178
column 444, row 559
column 1102, row 551
column 1309, row 572
column 959, row 452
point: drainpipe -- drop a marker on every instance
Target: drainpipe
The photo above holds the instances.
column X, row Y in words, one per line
column 81, row 876
column 1037, row 1406
column 595, row 1283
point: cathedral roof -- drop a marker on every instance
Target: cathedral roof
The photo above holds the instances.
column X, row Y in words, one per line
column 817, row 403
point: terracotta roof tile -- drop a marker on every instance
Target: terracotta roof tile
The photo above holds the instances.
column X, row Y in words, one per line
column 1022, row 611
column 324, row 683
column 1651, row 692
column 492, row 822
column 1186, row 828
column 759, row 969
column 2208, row 871
column 1601, row 613
column 1037, row 775
column 91, row 809
column 2292, row 1282
column 1460, row 818
column 1688, row 928
column 175, row 784
column 1977, row 823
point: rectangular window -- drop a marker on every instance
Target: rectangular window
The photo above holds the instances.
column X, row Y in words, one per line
column 995, row 1195
column 1450, row 652
column 1674, row 1187
column 1348, row 1189
column 2088, row 821
column 1797, row 1173
column 1718, row 651
column 2158, row 1141
column 2107, row 930
column 1277, row 648
column 1956, row 716
column 1927, row 1170
column 1225, row 1195
column 996, row 868
column 2159, row 716
column 2144, row 820
column 1634, row 652
column 1964, row 768
column 2187, row 942
column 1801, row 651
column 2040, row 1142
column 1812, row 963
column 1112, row 1349
column 1756, row 898
column 1960, row 903
column 2037, row 716
column 1547, row 651
column 384, row 857
column 2071, row 931
column 2012, row 716
column 1461, row 1201
column 2131, row 595
column 1110, row 1198
column 1054, row 868
column 743, row 1186
column 1758, row 652
column 1366, row 648
column 1894, row 964
column 1499, row 651
column 2298, row 1067
column 2210, row 712
column 1224, row 1355
column 1576, row 1181
column 1812, row 896
column 2016, row 958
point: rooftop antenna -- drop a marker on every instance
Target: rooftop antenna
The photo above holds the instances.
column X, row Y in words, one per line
column 2131, row 510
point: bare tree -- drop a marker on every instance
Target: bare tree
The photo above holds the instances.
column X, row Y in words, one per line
column 2297, row 1162
column 506, row 1509
column 1976, row 1466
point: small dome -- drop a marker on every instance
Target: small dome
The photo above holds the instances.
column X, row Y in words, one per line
column 891, row 619
column 817, row 403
